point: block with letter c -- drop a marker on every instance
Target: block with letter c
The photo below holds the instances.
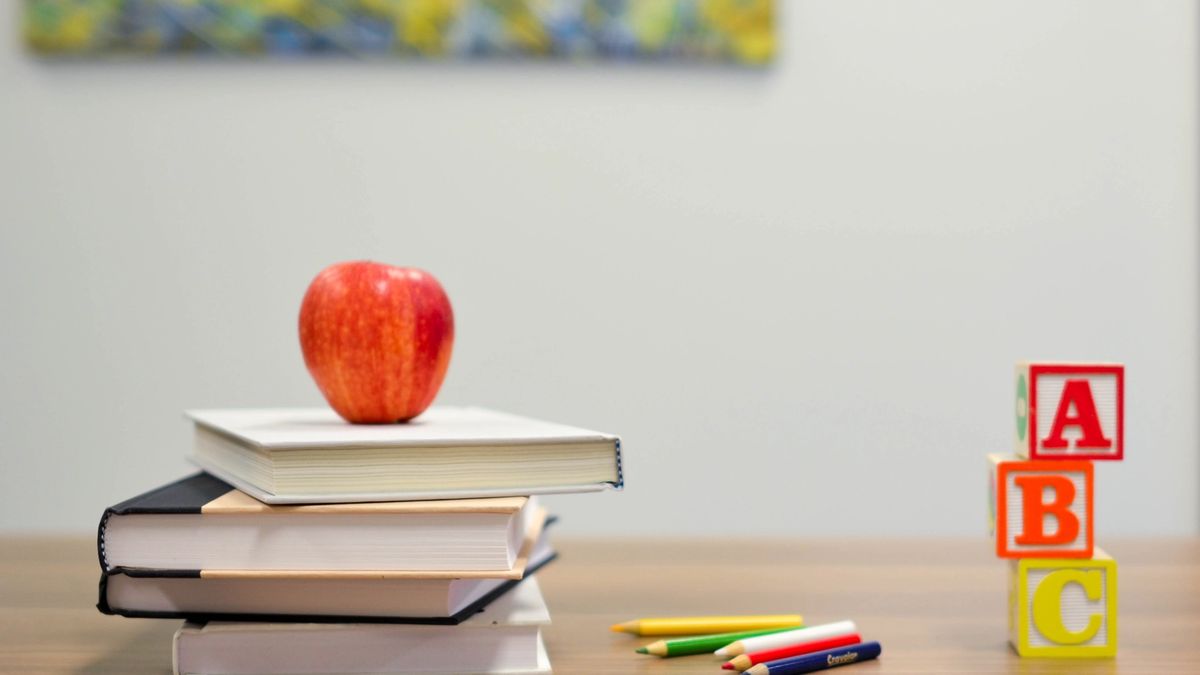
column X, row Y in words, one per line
column 1043, row 509
column 1064, row 608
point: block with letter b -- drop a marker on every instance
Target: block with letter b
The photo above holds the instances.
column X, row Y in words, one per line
column 1070, row 411
column 1043, row 509
column 1063, row 608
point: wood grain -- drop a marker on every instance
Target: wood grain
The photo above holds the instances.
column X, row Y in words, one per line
column 938, row 606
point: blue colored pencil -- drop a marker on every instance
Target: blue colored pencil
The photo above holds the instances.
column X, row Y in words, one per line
column 807, row 663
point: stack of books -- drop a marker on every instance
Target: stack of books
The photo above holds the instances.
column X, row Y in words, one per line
column 309, row 545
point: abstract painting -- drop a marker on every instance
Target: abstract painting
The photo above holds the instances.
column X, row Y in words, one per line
column 734, row 31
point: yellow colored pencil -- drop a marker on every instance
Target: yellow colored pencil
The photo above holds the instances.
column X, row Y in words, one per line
column 701, row 625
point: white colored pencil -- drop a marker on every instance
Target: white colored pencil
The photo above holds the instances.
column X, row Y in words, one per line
column 786, row 638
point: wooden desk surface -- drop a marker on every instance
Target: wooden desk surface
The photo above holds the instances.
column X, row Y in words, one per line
column 938, row 606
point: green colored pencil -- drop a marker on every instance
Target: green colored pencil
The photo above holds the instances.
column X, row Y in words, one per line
column 703, row 644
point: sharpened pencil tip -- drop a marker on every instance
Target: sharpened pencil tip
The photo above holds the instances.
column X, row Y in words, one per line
column 721, row 652
column 726, row 666
column 642, row 650
column 617, row 628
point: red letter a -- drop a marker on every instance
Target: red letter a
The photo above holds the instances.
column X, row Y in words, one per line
column 1079, row 394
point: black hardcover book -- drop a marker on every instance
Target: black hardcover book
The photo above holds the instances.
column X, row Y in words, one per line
column 201, row 512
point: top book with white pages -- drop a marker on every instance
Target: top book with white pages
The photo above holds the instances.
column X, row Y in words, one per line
column 296, row 456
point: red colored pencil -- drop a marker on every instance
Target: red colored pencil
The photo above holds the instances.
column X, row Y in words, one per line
column 744, row 661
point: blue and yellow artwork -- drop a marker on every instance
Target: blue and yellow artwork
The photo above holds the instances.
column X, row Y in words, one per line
column 737, row 31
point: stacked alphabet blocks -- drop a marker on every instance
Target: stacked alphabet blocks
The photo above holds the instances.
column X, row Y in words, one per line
column 1062, row 588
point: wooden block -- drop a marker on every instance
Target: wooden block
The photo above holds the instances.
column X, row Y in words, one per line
column 1070, row 411
column 1063, row 608
column 1043, row 509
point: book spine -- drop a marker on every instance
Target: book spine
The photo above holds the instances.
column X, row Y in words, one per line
column 100, row 552
column 102, row 603
column 620, row 484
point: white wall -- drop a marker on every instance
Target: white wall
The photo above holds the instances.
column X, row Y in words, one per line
column 798, row 294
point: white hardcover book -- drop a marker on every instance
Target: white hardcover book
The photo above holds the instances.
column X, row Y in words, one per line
column 291, row 456
column 503, row 638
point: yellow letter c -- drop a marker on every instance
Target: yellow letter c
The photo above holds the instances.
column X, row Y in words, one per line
column 1047, row 605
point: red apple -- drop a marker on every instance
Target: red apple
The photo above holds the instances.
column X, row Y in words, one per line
column 376, row 339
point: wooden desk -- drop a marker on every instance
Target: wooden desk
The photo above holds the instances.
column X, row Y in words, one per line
column 938, row 606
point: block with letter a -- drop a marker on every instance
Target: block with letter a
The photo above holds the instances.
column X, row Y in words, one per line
column 1070, row 411
column 1043, row 509
column 1063, row 608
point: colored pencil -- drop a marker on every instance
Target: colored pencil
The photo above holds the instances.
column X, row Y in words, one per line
column 790, row 637
column 704, row 625
column 830, row 658
column 740, row 663
column 702, row 644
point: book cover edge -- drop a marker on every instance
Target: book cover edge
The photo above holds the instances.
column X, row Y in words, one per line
column 204, row 617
